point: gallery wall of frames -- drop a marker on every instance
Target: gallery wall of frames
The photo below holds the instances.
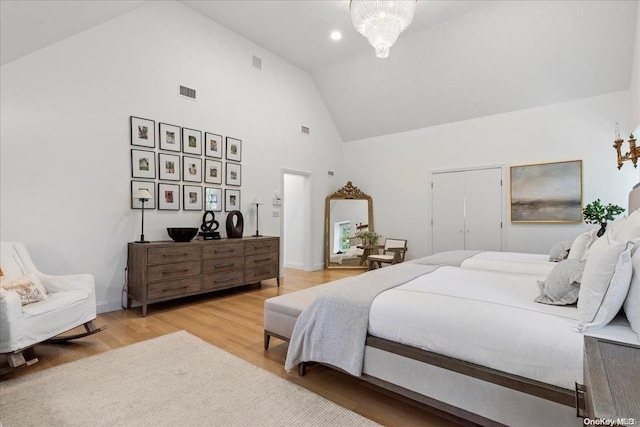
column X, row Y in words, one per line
column 184, row 168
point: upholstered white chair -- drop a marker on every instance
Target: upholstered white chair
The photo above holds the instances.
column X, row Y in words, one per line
column 393, row 253
column 69, row 301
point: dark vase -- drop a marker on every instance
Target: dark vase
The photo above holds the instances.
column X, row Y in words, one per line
column 234, row 231
column 603, row 228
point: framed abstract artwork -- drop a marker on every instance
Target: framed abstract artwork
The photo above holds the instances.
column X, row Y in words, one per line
column 234, row 149
column 169, row 197
column 212, row 171
column 547, row 192
column 213, row 199
column 213, row 145
column 191, row 141
column 169, row 137
column 143, row 185
column 143, row 132
column 143, row 164
column 169, row 167
column 192, row 197
column 191, row 169
column 231, row 200
column 234, row 174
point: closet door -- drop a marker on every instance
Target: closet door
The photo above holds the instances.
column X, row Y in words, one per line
column 447, row 203
column 483, row 209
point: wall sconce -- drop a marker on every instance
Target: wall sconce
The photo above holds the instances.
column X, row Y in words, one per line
column 143, row 195
column 634, row 152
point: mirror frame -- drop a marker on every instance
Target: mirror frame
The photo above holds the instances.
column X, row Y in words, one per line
column 348, row 192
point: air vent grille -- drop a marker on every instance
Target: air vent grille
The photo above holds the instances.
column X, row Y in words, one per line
column 257, row 62
column 330, row 174
column 187, row 92
column 305, row 130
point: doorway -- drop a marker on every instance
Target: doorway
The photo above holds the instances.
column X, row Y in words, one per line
column 296, row 220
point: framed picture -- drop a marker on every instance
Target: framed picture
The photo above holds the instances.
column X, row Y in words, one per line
column 143, row 164
column 143, row 132
column 191, row 141
column 548, row 192
column 212, row 171
column 213, row 145
column 168, row 197
column 234, row 149
column 169, row 166
column 169, row 137
column 213, row 199
column 234, row 174
column 143, row 185
column 191, row 169
column 192, row 197
column 231, row 200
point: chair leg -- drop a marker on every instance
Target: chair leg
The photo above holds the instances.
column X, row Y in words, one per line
column 88, row 326
column 17, row 359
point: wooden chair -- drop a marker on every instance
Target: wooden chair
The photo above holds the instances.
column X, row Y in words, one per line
column 393, row 253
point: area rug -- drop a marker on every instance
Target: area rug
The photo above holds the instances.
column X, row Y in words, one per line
column 173, row 380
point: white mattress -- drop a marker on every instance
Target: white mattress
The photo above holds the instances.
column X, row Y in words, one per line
column 486, row 318
column 511, row 262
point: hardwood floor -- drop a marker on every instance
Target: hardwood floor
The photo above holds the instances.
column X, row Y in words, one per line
column 233, row 320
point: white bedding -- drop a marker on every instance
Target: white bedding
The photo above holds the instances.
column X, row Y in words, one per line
column 511, row 262
column 483, row 317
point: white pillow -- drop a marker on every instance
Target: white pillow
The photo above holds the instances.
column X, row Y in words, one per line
column 26, row 289
column 581, row 244
column 27, row 278
column 632, row 303
column 605, row 283
column 627, row 229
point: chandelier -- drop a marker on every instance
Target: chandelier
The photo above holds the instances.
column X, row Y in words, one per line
column 382, row 21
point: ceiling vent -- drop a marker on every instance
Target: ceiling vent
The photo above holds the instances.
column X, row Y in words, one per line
column 257, row 62
column 188, row 93
column 305, row 130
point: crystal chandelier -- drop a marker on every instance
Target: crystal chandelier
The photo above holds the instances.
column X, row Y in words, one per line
column 382, row 21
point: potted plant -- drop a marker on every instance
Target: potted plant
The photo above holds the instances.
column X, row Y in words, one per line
column 596, row 213
column 367, row 237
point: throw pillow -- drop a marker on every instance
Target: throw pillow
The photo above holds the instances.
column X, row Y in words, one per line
column 27, row 291
column 562, row 285
column 581, row 244
column 560, row 251
column 605, row 282
column 628, row 229
column 632, row 303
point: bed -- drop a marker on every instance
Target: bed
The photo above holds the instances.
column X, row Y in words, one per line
column 468, row 338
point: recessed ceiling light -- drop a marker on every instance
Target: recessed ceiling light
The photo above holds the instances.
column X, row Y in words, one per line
column 336, row 35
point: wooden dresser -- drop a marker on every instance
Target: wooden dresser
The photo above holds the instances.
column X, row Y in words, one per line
column 161, row 271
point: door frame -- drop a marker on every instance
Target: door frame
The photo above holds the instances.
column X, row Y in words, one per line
column 307, row 258
column 503, row 210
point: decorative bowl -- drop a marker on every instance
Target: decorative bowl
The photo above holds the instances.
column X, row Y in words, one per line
column 182, row 234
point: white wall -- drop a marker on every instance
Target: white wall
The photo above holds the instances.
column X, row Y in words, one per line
column 65, row 168
column 294, row 216
column 399, row 179
column 635, row 80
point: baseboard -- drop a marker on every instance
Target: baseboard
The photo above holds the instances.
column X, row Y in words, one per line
column 294, row 265
column 317, row 267
column 107, row 306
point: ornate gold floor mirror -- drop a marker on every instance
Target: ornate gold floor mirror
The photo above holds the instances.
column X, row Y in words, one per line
column 347, row 212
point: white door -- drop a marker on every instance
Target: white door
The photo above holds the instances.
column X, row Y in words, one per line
column 447, row 204
column 296, row 220
column 467, row 210
column 483, row 209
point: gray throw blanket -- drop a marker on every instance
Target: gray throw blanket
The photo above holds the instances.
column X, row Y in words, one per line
column 452, row 258
column 333, row 329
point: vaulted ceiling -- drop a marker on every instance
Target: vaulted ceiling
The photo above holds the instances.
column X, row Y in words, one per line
column 458, row 60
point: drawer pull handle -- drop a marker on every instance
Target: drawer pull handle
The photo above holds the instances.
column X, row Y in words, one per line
column 222, row 280
column 175, row 289
column 262, row 260
column 224, row 265
column 175, row 254
column 174, row 272
column 224, row 250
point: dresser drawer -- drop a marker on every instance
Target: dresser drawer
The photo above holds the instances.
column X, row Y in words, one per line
column 261, row 247
column 262, row 273
column 173, row 288
column 156, row 273
column 226, row 250
column 222, row 280
column 224, row 264
column 260, row 260
column 178, row 253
